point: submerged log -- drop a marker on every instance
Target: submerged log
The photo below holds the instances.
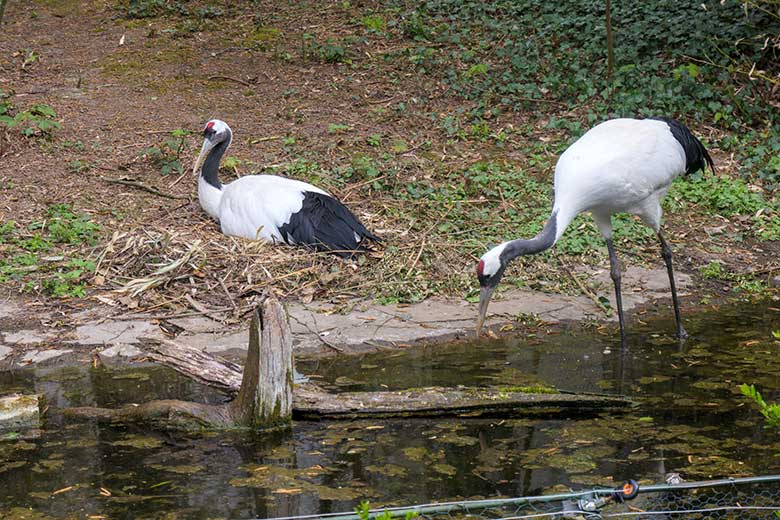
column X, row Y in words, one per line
column 167, row 414
column 266, row 396
column 310, row 401
column 201, row 366
column 19, row 412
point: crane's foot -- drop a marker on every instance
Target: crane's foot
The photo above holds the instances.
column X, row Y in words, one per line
column 681, row 334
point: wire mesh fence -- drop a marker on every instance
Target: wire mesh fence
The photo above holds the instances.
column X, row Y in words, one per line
column 741, row 498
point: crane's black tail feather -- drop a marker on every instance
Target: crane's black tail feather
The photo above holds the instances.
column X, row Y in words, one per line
column 696, row 155
column 325, row 224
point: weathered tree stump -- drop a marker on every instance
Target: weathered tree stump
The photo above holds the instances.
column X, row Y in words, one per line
column 265, row 397
column 264, row 391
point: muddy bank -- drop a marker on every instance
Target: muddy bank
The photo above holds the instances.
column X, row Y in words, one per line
column 29, row 336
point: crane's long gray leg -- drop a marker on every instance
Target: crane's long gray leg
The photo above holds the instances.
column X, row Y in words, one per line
column 666, row 253
column 614, row 272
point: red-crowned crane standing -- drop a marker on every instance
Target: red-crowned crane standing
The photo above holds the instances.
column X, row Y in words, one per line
column 272, row 208
column 619, row 166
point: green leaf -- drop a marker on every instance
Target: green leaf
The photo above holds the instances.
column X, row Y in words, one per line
column 44, row 110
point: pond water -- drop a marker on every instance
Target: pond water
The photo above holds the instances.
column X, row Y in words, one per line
column 690, row 419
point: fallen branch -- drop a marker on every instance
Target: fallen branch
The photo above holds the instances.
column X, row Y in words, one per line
column 142, row 186
column 198, row 365
column 310, row 402
column 229, row 78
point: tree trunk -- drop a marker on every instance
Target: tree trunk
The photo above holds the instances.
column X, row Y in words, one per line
column 2, row 10
column 610, row 42
column 265, row 396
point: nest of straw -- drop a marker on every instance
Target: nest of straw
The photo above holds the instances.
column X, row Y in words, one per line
column 217, row 275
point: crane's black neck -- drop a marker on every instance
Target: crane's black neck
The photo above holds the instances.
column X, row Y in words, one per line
column 210, row 170
column 544, row 240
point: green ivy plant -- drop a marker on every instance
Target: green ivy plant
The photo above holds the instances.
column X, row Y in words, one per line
column 364, row 513
column 37, row 121
column 43, row 256
column 167, row 156
column 771, row 412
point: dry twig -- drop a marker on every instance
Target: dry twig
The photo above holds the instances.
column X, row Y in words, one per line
column 141, row 186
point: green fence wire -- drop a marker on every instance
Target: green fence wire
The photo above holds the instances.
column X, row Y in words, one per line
column 733, row 498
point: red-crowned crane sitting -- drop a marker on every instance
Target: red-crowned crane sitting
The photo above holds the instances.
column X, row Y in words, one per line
column 272, row 208
column 619, row 166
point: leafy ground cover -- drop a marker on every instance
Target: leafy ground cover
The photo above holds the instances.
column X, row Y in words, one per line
column 438, row 122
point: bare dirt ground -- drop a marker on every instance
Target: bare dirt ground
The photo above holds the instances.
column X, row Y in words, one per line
column 121, row 86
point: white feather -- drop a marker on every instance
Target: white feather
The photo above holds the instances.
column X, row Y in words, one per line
column 621, row 165
column 255, row 206
column 492, row 261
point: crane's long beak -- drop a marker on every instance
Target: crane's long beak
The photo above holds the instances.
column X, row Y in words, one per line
column 204, row 151
column 485, row 292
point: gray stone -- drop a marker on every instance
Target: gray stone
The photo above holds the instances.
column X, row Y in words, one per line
column 7, row 309
column 319, row 328
column 22, row 337
column 5, row 352
column 112, row 354
column 39, row 356
column 19, row 411
column 115, row 332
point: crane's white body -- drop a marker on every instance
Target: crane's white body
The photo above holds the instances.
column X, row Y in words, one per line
column 619, row 166
column 255, row 206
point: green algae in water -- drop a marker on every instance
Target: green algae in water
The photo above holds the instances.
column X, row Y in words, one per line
column 457, row 440
column 52, row 464
column 182, row 469
column 711, row 385
column 445, row 469
column 417, row 454
column 389, row 470
column 653, row 379
column 23, row 513
column 8, row 466
column 139, row 442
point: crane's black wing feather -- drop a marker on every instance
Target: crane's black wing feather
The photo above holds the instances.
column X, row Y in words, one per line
column 696, row 156
column 325, row 224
